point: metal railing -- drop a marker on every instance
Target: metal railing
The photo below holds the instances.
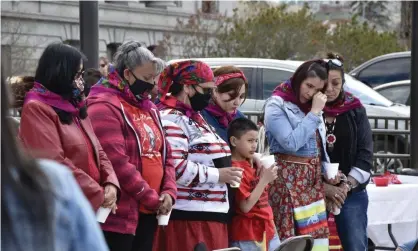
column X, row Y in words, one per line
column 391, row 137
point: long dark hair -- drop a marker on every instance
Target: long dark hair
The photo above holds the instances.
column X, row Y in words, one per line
column 56, row 70
column 23, row 178
column 315, row 68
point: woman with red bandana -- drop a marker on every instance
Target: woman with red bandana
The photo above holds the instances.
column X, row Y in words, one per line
column 201, row 211
column 128, row 126
column 230, row 92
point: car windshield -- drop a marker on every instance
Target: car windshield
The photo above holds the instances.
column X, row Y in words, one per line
column 367, row 95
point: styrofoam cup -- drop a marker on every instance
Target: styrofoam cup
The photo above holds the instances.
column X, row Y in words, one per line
column 267, row 161
column 235, row 184
column 163, row 219
column 102, row 214
column 332, row 170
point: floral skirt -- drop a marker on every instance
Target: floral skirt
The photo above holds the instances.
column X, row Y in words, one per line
column 297, row 200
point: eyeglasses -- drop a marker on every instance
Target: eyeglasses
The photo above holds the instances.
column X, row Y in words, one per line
column 79, row 74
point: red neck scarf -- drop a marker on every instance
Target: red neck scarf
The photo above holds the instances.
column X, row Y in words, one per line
column 174, row 103
column 286, row 92
column 346, row 102
column 221, row 116
column 114, row 83
column 40, row 93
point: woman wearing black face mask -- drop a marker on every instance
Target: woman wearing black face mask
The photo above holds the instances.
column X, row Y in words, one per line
column 201, row 210
column 128, row 126
column 55, row 124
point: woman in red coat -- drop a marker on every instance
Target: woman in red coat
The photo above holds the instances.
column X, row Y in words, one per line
column 55, row 125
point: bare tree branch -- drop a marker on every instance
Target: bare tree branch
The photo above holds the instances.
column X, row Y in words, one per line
column 22, row 45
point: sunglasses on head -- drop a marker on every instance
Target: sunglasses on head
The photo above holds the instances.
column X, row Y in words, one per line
column 335, row 62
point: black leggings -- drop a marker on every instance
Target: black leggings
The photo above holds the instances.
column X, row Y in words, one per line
column 141, row 241
column 145, row 232
column 119, row 242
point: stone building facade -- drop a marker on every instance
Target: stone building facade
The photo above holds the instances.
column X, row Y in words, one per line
column 27, row 27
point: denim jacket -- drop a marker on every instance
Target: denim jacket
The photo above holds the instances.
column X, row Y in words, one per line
column 290, row 131
column 75, row 225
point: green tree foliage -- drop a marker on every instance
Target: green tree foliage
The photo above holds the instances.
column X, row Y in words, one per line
column 272, row 33
column 359, row 42
column 263, row 31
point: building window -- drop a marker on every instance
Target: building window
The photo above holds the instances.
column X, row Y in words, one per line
column 209, row 7
column 73, row 42
column 161, row 4
column 111, row 50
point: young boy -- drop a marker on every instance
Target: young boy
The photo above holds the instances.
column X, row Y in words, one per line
column 252, row 226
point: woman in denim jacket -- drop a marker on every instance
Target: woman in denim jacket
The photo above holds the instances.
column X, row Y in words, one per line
column 296, row 136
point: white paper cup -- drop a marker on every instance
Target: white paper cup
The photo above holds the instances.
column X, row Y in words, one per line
column 332, row 170
column 235, row 184
column 163, row 219
column 267, row 161
column 336, row 211
column 102, row 214
column 258, row 155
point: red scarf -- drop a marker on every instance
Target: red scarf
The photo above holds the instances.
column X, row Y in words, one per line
column 221, row 116
column 40, row 93
column 345, row 102
column 172, row 102
column 286, row 92
column 188, row 72
column 114, row 83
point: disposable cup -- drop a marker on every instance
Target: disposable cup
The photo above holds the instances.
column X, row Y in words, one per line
column 258, row 155
column 163, row 219
column 267, row 161
column 102, row 214
column 336, row 211
column 235, row 184
column 332, row 170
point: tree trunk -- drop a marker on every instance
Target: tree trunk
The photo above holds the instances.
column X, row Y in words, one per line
column 406, row 24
